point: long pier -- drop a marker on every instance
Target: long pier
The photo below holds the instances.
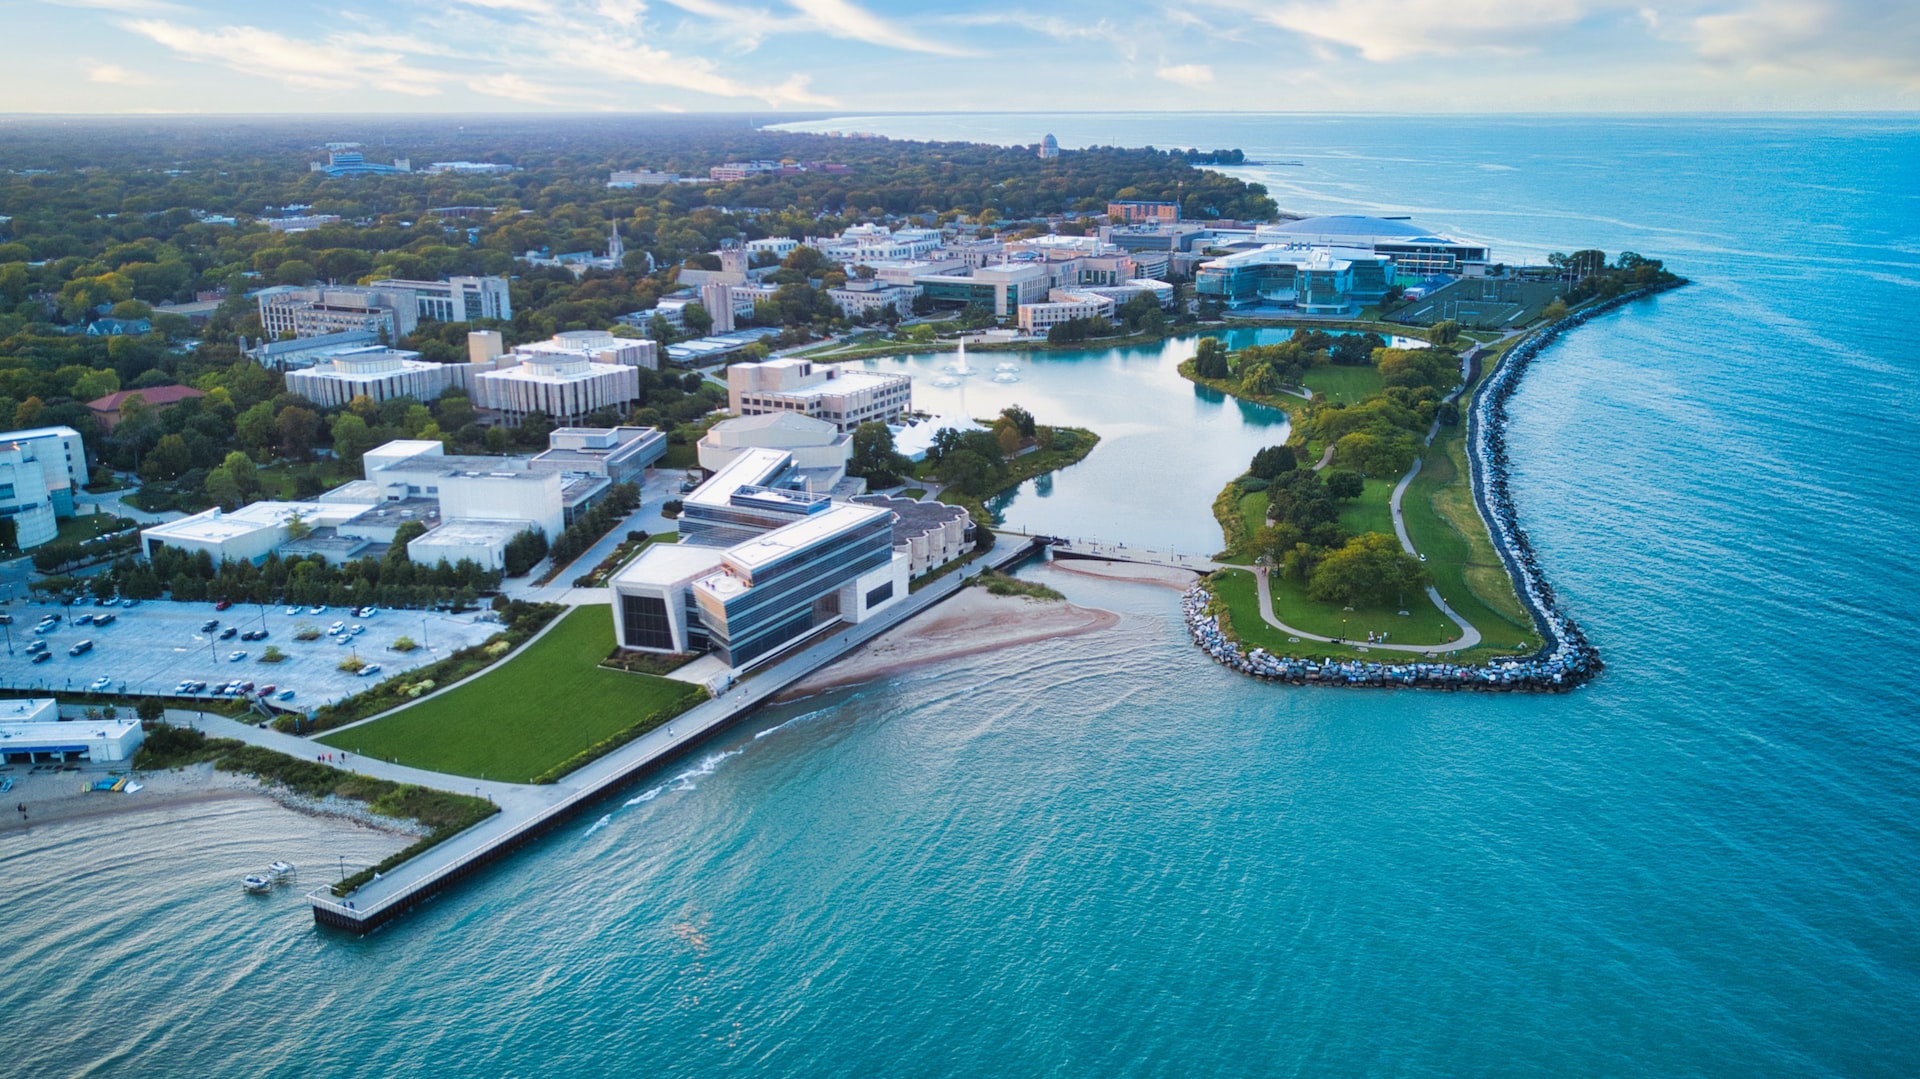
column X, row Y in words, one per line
column 1094, row 550
column 418, row 879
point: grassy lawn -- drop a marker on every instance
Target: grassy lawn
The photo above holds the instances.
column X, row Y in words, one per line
column 1444, row 526
column 913, row 492
column 681, row 455
column 1349, row 385
column 1237, row 590
column 88, row 526
column 1370, row 512
column 1253, row 510
column 532, row 713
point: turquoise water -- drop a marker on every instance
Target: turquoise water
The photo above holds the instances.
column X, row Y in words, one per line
column 1107, row 856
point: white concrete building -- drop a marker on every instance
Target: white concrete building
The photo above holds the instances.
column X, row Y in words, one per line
column 845, row 396
column 621, row 454
column 457, row 299
column 247, row 534
column 312, row 311
column 480, row 541
column 40, row 469
column 31, row 733
column 860, row 297
column 927, row 534
column 641, row 178
column 1064, row 305
column 378, row 372
column 566, row 384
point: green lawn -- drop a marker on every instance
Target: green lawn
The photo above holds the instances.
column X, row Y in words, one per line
column 1237, row 589
column 1350, row 385
column 1440, row 519
column 529, row 714
column 1253, row 510
column 1370, row 512
column 89, row 525
column 680, row 455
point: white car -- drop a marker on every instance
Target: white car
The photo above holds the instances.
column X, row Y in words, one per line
column 357, row 630
column 100, row 684
column 322, row 609
column 369, row 670
column 336, row 629
column 237, row 656
column 292, row 611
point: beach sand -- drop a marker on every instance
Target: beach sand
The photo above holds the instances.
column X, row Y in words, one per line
column 51, row 798
column 976, row 621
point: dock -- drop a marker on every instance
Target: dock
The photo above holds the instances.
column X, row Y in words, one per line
column 535, row 810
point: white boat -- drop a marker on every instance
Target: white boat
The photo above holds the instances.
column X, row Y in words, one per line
column 280, row 870
column 132, row 787
column 255, row 884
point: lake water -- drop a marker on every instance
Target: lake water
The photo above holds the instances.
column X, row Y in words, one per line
column 1108, row 856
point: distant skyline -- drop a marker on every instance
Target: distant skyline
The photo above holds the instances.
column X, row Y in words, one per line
column 408, row 56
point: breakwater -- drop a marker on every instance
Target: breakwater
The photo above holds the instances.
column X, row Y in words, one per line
column 1567, row 658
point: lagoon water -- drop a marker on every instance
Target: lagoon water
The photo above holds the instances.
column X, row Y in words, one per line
column 1107, row 856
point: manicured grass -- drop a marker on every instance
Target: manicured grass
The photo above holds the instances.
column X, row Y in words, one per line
column 1253, row 511
column 1237, row 590
column 1370, row 512
column 1444, row 526
column 529, row 714
column 913, row 492
column 1348, row 385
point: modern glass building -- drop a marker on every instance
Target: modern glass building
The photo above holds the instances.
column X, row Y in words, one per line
column 1317, row 280
column 1414, row 250
column 776, row 588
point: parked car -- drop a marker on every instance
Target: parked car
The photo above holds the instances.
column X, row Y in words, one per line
column 36, row 647
column 42, row 657
column 236, row 655
column 223, row 605
column 267, row 690
column 84, row 620
column 292, row 611
column 254, row 635
column 245, row 687
column 336, row 629
column 81, row 648
column 107, row 619
column 284, row 695
column 230, row 633
column 129, row 603
column 5, row 619
column 100, row 684
column 210, row 625
column 369, row 670
column 320, row 609
column 357, row 630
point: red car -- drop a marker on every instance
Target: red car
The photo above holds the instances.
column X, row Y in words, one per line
column 223, row 605
column 266, row 691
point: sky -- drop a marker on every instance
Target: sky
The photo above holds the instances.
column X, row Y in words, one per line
column 828, row 56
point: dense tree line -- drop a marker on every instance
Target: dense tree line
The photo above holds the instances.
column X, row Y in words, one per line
column 393, row 581
column 586, row 530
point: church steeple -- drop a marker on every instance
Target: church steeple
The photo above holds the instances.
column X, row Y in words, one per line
column 615, row 249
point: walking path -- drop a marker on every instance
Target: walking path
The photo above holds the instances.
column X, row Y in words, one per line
column 1468, row 635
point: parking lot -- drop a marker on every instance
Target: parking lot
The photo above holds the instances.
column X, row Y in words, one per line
column 151, row 648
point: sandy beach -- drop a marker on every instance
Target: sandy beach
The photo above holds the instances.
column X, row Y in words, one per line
column 973, row 622
column 55, row 797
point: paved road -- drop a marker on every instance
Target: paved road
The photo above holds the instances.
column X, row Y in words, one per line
column 1469, row 635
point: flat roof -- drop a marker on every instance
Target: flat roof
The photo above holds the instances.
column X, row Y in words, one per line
column 667, row 564
column 752, row 468
column 467, row 532
column 214, row 526
column 768, row 547
column 21, row 737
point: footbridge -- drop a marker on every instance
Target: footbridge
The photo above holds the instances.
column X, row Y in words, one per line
column 1095, row 550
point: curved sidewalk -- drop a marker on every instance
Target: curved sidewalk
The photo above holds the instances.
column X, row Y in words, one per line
column 1469, row 636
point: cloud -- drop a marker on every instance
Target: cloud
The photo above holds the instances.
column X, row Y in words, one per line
column 125, row 7
column 514, row 87
column 844, row 19
column 1195, row 75
column 115, row 75
column 1389, row 30
column 300, row 64
column 1836, row 39
column 1060, row 29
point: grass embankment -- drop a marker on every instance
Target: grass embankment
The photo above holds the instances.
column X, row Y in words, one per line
column 1000, row 584
column 523, row 620
column 1238, row 605
column 628, row 550
column 444, row 813
column 542, row 713
column 1026, row 466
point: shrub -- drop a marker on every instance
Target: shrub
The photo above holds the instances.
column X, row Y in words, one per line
column 404, row 644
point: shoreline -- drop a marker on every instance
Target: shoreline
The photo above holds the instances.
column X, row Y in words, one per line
column 58, row 798
column 972, row 623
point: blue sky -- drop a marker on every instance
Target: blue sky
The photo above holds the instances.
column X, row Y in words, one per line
column 221, row 56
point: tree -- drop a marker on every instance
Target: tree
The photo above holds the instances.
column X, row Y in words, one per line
column 524, row 551
column 1554, row 311
column 1444, row 332
column 296, row 428
column 1370, row 569
column 150, row 709
column 222, row 490
column 167, row 460
column 874, row 456
column 1020, row 418
column 1211, row 361
column 245, row 476
column 352, row 438
column 1345, row 483
column 297, row 527
column 254, row 427
column 1272, row 461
